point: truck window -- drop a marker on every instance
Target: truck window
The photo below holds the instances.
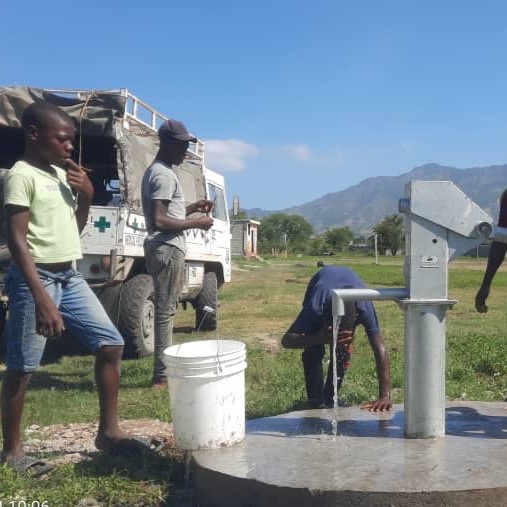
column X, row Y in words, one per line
column 217, row 195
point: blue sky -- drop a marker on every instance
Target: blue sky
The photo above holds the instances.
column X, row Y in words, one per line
column 293, row 99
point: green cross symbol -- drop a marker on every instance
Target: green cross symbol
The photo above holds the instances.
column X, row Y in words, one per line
column 102, row 224
column 135, row 225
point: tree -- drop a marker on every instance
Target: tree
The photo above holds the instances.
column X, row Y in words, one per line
column 338, row 237
column 318, row 246
column 390, row 233
column 283, row 231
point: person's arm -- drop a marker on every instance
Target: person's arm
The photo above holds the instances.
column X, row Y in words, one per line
column 79, row 181
column 161, row 222
column 495, row 258
column 294, row 339
column 367, row 317
column 383, row 402
column 49, row 321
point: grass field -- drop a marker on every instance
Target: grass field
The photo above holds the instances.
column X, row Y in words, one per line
column 257, row 307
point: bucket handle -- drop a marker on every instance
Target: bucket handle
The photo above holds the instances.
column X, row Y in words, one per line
column 208, row 310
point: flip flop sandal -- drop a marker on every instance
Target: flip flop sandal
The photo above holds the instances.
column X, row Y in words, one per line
column 149, row 443
column 30, row 465
column 134, row 447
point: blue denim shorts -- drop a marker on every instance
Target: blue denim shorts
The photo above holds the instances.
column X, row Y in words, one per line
column 83, row 316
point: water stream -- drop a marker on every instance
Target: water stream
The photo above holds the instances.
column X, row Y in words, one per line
column 336, row 327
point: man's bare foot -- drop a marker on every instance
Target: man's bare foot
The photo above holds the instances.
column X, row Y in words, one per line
column 159, row 383
column 14, row 455
column 105, row 442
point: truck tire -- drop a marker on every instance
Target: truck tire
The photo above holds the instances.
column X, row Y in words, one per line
column 136, row 316
column 207, row 297
column 109, row 298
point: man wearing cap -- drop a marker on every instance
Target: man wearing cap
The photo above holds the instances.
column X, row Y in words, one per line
column 165, row 246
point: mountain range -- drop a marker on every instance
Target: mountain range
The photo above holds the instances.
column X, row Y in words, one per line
column 363, row 205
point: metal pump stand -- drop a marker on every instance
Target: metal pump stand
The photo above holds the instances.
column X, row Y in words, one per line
column 441, row 223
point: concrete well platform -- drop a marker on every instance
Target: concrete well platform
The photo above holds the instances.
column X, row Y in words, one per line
column 358, row 458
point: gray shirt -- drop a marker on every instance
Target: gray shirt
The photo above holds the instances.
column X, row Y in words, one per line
column 160, row 182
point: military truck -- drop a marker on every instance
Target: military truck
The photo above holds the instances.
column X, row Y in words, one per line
column 117, row 140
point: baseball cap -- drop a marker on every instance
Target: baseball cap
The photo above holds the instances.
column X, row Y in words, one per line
column 174, row 129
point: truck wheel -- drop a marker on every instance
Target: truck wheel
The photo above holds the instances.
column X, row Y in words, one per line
column 208, row 297
column 136, row 316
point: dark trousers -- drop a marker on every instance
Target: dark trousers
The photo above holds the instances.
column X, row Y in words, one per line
column 317, row 391
column 166, row 265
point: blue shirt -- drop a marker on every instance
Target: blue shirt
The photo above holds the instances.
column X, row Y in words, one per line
column 317, row 303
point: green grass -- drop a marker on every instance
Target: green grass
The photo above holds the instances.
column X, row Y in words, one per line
column 257, row 307
column 110, row 481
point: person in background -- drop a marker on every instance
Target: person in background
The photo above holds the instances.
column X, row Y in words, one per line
column 496, row 257
column 46, row 193
column 167, row 218
column 312, row 330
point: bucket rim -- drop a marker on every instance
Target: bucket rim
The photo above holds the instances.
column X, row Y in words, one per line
column 205, row 359
column 187, row 350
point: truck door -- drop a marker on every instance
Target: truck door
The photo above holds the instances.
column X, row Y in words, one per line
column 220, row 243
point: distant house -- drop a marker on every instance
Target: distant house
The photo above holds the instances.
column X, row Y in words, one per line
column 244, row 237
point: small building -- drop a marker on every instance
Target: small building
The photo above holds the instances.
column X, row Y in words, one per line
column 244, row 237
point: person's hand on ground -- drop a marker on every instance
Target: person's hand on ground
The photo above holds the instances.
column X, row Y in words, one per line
column 380, row 405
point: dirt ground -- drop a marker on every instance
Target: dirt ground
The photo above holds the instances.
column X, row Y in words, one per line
column 72, row 443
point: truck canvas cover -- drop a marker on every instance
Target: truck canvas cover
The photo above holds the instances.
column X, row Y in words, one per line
column 110, row 139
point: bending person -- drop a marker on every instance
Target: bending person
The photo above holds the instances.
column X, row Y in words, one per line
column 312, row 330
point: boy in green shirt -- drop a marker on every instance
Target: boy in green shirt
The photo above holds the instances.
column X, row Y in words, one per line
column 46, row 207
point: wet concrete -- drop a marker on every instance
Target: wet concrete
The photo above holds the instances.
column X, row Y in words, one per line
column 358, row 458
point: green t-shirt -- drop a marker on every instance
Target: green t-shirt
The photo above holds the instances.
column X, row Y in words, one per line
column 53, row 235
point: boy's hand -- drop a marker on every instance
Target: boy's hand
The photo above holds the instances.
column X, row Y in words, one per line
column 78, row 180
column 48, row 320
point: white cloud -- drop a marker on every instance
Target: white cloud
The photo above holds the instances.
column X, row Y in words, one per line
column 303, row 154
column 300, row 152
column 228, row 154
column 232, row 155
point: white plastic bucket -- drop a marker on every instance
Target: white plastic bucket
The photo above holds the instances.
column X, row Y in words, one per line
column 207, row 392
